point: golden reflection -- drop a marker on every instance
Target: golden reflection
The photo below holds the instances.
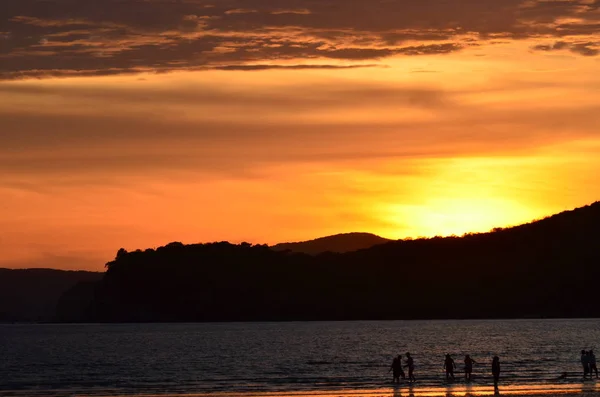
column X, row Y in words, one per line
column 561, row 390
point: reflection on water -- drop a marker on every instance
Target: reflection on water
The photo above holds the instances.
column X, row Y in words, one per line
column 466, row 391
column 279, row 359
column 383, row 392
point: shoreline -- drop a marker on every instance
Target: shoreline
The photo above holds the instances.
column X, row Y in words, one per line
column 428, row 391
column 299, row 320
column 547, row 390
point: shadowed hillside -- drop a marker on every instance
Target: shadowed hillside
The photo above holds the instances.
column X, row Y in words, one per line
column 340, row 243
column 32, row 294
column 547, row 268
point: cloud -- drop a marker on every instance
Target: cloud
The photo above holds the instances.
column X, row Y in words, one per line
column 586, row 48
column 301, row 11
column 291, row 67
column 85, row 37
column 333, row 94
column 589, row 49
column 240, row 11
column 62, row 130
column 145, row 130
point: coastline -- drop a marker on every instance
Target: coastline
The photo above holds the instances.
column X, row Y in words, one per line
column 460, row 390
column 545, row 390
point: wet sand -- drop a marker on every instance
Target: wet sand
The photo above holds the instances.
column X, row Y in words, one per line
column 451, row 391
column 590, row 388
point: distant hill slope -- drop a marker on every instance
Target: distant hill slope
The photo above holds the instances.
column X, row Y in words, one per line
column 346, row 242
column 32, row 294
column 547, row 268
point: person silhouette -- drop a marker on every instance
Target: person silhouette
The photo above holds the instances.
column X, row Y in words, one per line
column 397, row 369
column 496, row 372
column 592, row 365
column 393, row 369
column 410, row 364
column 449, row 366
column 468, row 367
column 585, row 363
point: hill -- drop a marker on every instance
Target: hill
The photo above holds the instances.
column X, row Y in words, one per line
column 340, row 243
column 546, row 268
column 32, row 294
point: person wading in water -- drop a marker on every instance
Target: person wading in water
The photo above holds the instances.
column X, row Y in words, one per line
column 468, row 367
column 410, row 364
column 585, row 363
column 397, row 369
column 449, row 366
column 496, row 372
column 592, row 360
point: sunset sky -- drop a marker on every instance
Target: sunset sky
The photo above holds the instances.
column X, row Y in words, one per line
column 134, row 123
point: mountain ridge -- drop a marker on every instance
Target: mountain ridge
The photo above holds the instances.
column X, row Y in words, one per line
column 339, row 243
column 32, row 294
column 556, row 253
column 539, row 269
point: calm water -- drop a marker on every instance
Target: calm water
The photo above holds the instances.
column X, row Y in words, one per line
column 280, row 357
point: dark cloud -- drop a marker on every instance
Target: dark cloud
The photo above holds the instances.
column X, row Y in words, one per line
column 586, row 48
column 89, row 37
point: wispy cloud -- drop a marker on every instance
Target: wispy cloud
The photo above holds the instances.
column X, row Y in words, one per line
column 585, row 48
column 57, row 38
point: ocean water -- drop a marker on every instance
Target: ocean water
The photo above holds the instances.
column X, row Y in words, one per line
column 307, row 357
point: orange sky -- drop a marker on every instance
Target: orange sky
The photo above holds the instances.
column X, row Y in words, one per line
column 418, row 121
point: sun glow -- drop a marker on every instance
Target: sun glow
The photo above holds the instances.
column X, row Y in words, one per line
column 422, row 146
column 460, row 215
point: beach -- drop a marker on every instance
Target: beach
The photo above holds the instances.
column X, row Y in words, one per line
column 577, row 389
column 525, row 391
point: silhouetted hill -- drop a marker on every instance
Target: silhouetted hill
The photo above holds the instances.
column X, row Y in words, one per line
column 547, row 268
column 32, row 294
column 340, row 243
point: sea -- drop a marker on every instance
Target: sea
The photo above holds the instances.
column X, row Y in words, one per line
column 291, row 358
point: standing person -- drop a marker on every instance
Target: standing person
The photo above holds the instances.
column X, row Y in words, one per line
column 496, row 372
column 585, row 363
column 393, row 369
column 592, row 365
column 397, row 369
column 410, row 364
column 468, row 367
column 449, row 366
column 400, row 370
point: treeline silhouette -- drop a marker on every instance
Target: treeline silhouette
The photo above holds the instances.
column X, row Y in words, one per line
column 547, row 268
